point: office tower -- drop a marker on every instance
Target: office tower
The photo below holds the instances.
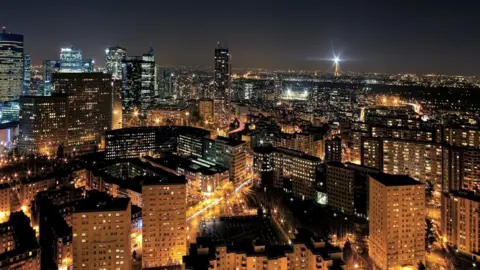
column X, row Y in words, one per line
column 396, row 221
column 26, row 75
column 460, row 221
column 206, row 110
column 333, row 150
column 164, row 233
column 10, row 111
column 117, row 105
column 42, row 124
column 20, row 250
column 248, row 91
column 222, row 73
column 191, row 145
column 139, row 83
column 231, row 154
column 49, row 67
column 71, row 61
column 293, row 170
column 222, row 82
column 340, row 187
column 460, row 168
column 168, row 84
column 113, row 61
column 101, row 233
column 11, row 65
column 90, row 107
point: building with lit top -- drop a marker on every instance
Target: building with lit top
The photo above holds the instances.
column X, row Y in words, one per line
column 396, row 221
column 42, row 124
column 139, row 82
column 20, row 249
column 101, row 233
column 164, row 233
column 113, row 61
column 90, row 107
column 11, row 65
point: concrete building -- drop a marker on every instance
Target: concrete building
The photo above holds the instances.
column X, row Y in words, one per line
column 333, row 150
column 298, row 141
column 168, row 115
column 231, row 154
column 396, row 221
column 460, row 168
column 20, row 249
column 460, row 221
column 206, row 110
column 101, row 233
column 164, row 240
column 462, row 136
column 11, row 65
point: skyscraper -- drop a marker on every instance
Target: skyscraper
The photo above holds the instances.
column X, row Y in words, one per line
column 113, row 61
column 90, row 107
column 139, row 82
column 11, row 65
column 222, row 81
column 26, row 75
column 71, row 61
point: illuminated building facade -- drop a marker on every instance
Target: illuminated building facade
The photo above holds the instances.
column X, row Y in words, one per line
column 460, row 221
column 462, row 136
column 231, row 154
column 396, row 221
column 26, row 75
column 206, row 110
column 164, row 233
column 113, row 61
column 306, row 252
column 5, row 201
column 298, row 141
column 333, row 150
column 42, row 124
column 89, row 110
column 222, row 73
column 460, row 168
column 20, row 248
column 101, row 233
column 11, row 65
column 31, row 185
column 296, row 168
column 191, row 145
column 139, row 82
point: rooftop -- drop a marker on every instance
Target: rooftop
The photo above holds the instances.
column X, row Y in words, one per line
column 395, row 180
column 98, row 202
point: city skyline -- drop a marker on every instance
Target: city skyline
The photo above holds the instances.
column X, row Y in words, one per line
column 407, row 38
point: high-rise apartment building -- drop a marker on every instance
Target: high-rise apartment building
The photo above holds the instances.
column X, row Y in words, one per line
column 42, row 124
column 26, row 75
column 101, row 233
column 460, row 168
column 231, row 154
column 462, row 136
column 164, row 233
column 90, row 107
column 206, row 110
column 113, row 61
column 298, row 141
column 222, row 79
column 333, row 150
column 11, row 65
column 396, row 221
column 139, row 82
column 460, row 220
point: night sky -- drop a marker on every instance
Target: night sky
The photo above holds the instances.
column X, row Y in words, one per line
column 419, row 36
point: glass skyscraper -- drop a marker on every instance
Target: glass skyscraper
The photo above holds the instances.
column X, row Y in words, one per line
column 26, row 75
column 139, row 82
column 113, row 61
column 71, row 61
column 11, row 66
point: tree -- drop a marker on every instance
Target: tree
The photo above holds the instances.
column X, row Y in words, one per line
column 60, row 152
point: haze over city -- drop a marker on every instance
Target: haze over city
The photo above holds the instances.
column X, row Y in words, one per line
column 375, row 36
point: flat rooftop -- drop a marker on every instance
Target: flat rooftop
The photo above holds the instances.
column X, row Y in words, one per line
column 395, row 180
